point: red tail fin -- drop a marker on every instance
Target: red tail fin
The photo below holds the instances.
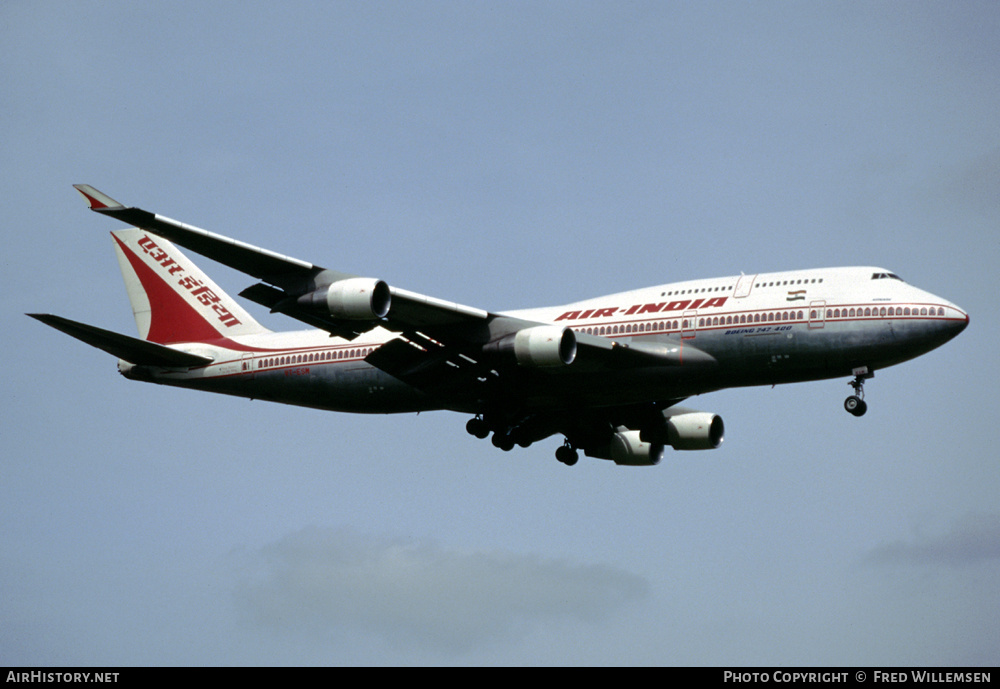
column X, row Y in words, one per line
column 172, row 299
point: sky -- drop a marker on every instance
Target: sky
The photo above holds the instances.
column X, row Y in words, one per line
column 502, row 155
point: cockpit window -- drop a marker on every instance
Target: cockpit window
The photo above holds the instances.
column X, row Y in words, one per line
column 885, row 276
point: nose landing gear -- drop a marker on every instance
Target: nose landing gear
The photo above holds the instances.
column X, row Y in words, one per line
column 855, row 404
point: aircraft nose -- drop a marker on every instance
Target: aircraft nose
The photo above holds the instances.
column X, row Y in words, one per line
column 956, row 320
column 962, row 324
column 939, row 322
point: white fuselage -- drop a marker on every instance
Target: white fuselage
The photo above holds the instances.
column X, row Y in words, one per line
column 761, row 329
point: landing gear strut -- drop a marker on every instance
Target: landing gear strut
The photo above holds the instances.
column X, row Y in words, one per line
column 855, row 404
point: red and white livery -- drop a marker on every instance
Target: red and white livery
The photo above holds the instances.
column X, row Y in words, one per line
column 605, row 373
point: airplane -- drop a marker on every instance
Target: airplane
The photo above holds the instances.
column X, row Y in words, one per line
column 608, row 373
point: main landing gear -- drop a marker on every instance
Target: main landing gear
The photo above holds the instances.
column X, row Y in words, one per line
column 478, row 427
column 855, row 404
column 567, row 454
column 506, row 438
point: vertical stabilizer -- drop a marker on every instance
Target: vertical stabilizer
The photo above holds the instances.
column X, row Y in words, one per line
column 172, row 299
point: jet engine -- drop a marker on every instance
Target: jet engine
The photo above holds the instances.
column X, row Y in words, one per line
column 626, row 448
column 353, row 299
column 695, row 431
column 539, row 346
column 684, row 429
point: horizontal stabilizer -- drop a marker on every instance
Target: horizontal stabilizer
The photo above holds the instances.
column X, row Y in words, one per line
column 130, row 349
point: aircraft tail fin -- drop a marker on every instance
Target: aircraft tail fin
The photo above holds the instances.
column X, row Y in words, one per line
column 172, row 299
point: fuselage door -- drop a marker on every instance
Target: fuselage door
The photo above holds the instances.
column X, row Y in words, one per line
column 817, row 314
column 689, row 326
column 246, row 364
column 743, row 286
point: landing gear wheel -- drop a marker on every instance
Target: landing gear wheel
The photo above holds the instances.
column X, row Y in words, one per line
column 478, row 428
column 519, row 436
column 855, row 405
column 567, row 455
column 503, row 441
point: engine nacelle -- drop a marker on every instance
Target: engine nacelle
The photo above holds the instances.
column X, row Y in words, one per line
column 540, row 346
column 363, row 299
column 695, row 431
column 626, row 448
column 545, row 345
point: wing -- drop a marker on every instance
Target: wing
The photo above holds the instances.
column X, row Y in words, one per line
column 442, row 347
column 298, row 288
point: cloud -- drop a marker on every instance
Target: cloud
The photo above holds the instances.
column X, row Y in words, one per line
column 421, row 594
column 973, row 184
column 979, row 182
column 973, row 540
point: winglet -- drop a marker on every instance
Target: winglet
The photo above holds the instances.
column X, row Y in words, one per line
column 96, row 201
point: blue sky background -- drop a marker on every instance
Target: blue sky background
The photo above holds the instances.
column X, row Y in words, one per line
column 503, row 155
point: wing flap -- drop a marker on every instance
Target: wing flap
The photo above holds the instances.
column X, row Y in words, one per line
column 433, row 368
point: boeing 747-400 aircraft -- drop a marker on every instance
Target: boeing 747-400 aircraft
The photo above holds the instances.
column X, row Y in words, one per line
column 605, row 373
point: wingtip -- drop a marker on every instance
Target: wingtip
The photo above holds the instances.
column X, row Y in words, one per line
column 96, row 201
column 46, row 318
